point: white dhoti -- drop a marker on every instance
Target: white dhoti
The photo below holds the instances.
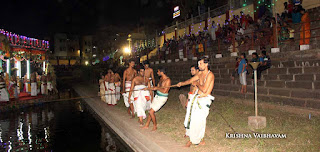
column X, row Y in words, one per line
column 186, row 119
column 106, row 91
column 4, row 95
column 118, row 90
column 34, row 89
column 159, row 100
column 112, row 94
column 43, row 88
column 150, row 80
column 197, row 118
column 49, row 86
column 126, row 94
column 141, row 100
column 102, row 90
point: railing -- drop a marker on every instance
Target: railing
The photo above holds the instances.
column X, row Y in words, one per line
column 255, row 41
column 235, row 4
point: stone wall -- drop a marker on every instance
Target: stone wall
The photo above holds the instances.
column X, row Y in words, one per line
column 293, row 79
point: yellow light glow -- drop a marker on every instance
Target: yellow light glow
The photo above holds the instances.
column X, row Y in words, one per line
column 86, row 62
column 78, row 51
column 126, row 50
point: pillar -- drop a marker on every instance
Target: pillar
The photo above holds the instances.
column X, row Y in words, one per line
column 8, row 67
column 18, row 66
column 28, row 68
column 44, row 66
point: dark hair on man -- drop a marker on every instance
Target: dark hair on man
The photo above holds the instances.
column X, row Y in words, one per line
column 255, row 53
column 139, row 67
column 132, row 60
column 205, row 59
column 162, row 69
column 244, row 55
column 146, row 62
column 237, row 58
column 264, row 52
column 195, row 67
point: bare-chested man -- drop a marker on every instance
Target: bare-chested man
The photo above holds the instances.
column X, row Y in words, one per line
column 111, row 100
column 141, row 97
column 128, row 75
column 200, row 104
column 149, row 73
column 43, row 84
column 160, row 98
column 193, row 90
column 117, row 82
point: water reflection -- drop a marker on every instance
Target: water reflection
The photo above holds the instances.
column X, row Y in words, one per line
column 58, row 126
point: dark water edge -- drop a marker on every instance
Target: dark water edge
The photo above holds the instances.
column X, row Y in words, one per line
column 70, row 126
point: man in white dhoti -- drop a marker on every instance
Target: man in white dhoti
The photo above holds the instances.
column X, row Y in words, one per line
column 102, row 89
column 111, row 89
column 160, row 98
column 117, row 82
column 149, row 74
column 193, row 90
column 128, row 76
column 141, row 97
column 33, row 84
column 4, row 94
column 200, row 104
column 106, row 87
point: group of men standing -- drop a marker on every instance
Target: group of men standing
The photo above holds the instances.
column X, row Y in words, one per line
column 11, row 86
column 141, row 95
column 110, row 87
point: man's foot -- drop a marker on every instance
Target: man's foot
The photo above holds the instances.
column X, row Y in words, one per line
column 188, row 144
column 132, row 117
column 202, row 143
column 145, row 127
column 154, row 128
column 141, row 123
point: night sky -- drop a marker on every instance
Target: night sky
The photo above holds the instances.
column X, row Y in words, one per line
column 40, row 18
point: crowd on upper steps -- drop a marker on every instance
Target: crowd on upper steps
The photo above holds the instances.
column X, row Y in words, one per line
column 242, row 33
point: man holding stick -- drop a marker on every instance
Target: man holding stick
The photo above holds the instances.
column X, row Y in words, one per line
column 128, row 75
column 200, row 104
column 160, row 98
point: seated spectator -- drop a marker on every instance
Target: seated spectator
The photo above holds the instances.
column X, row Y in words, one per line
column 255, row 58
column 296, row 15
column 265, row 63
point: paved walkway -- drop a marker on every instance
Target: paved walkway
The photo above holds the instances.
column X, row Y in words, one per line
column 128, row 129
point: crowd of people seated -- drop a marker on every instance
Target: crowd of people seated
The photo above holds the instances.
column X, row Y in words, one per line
column 241, row 33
